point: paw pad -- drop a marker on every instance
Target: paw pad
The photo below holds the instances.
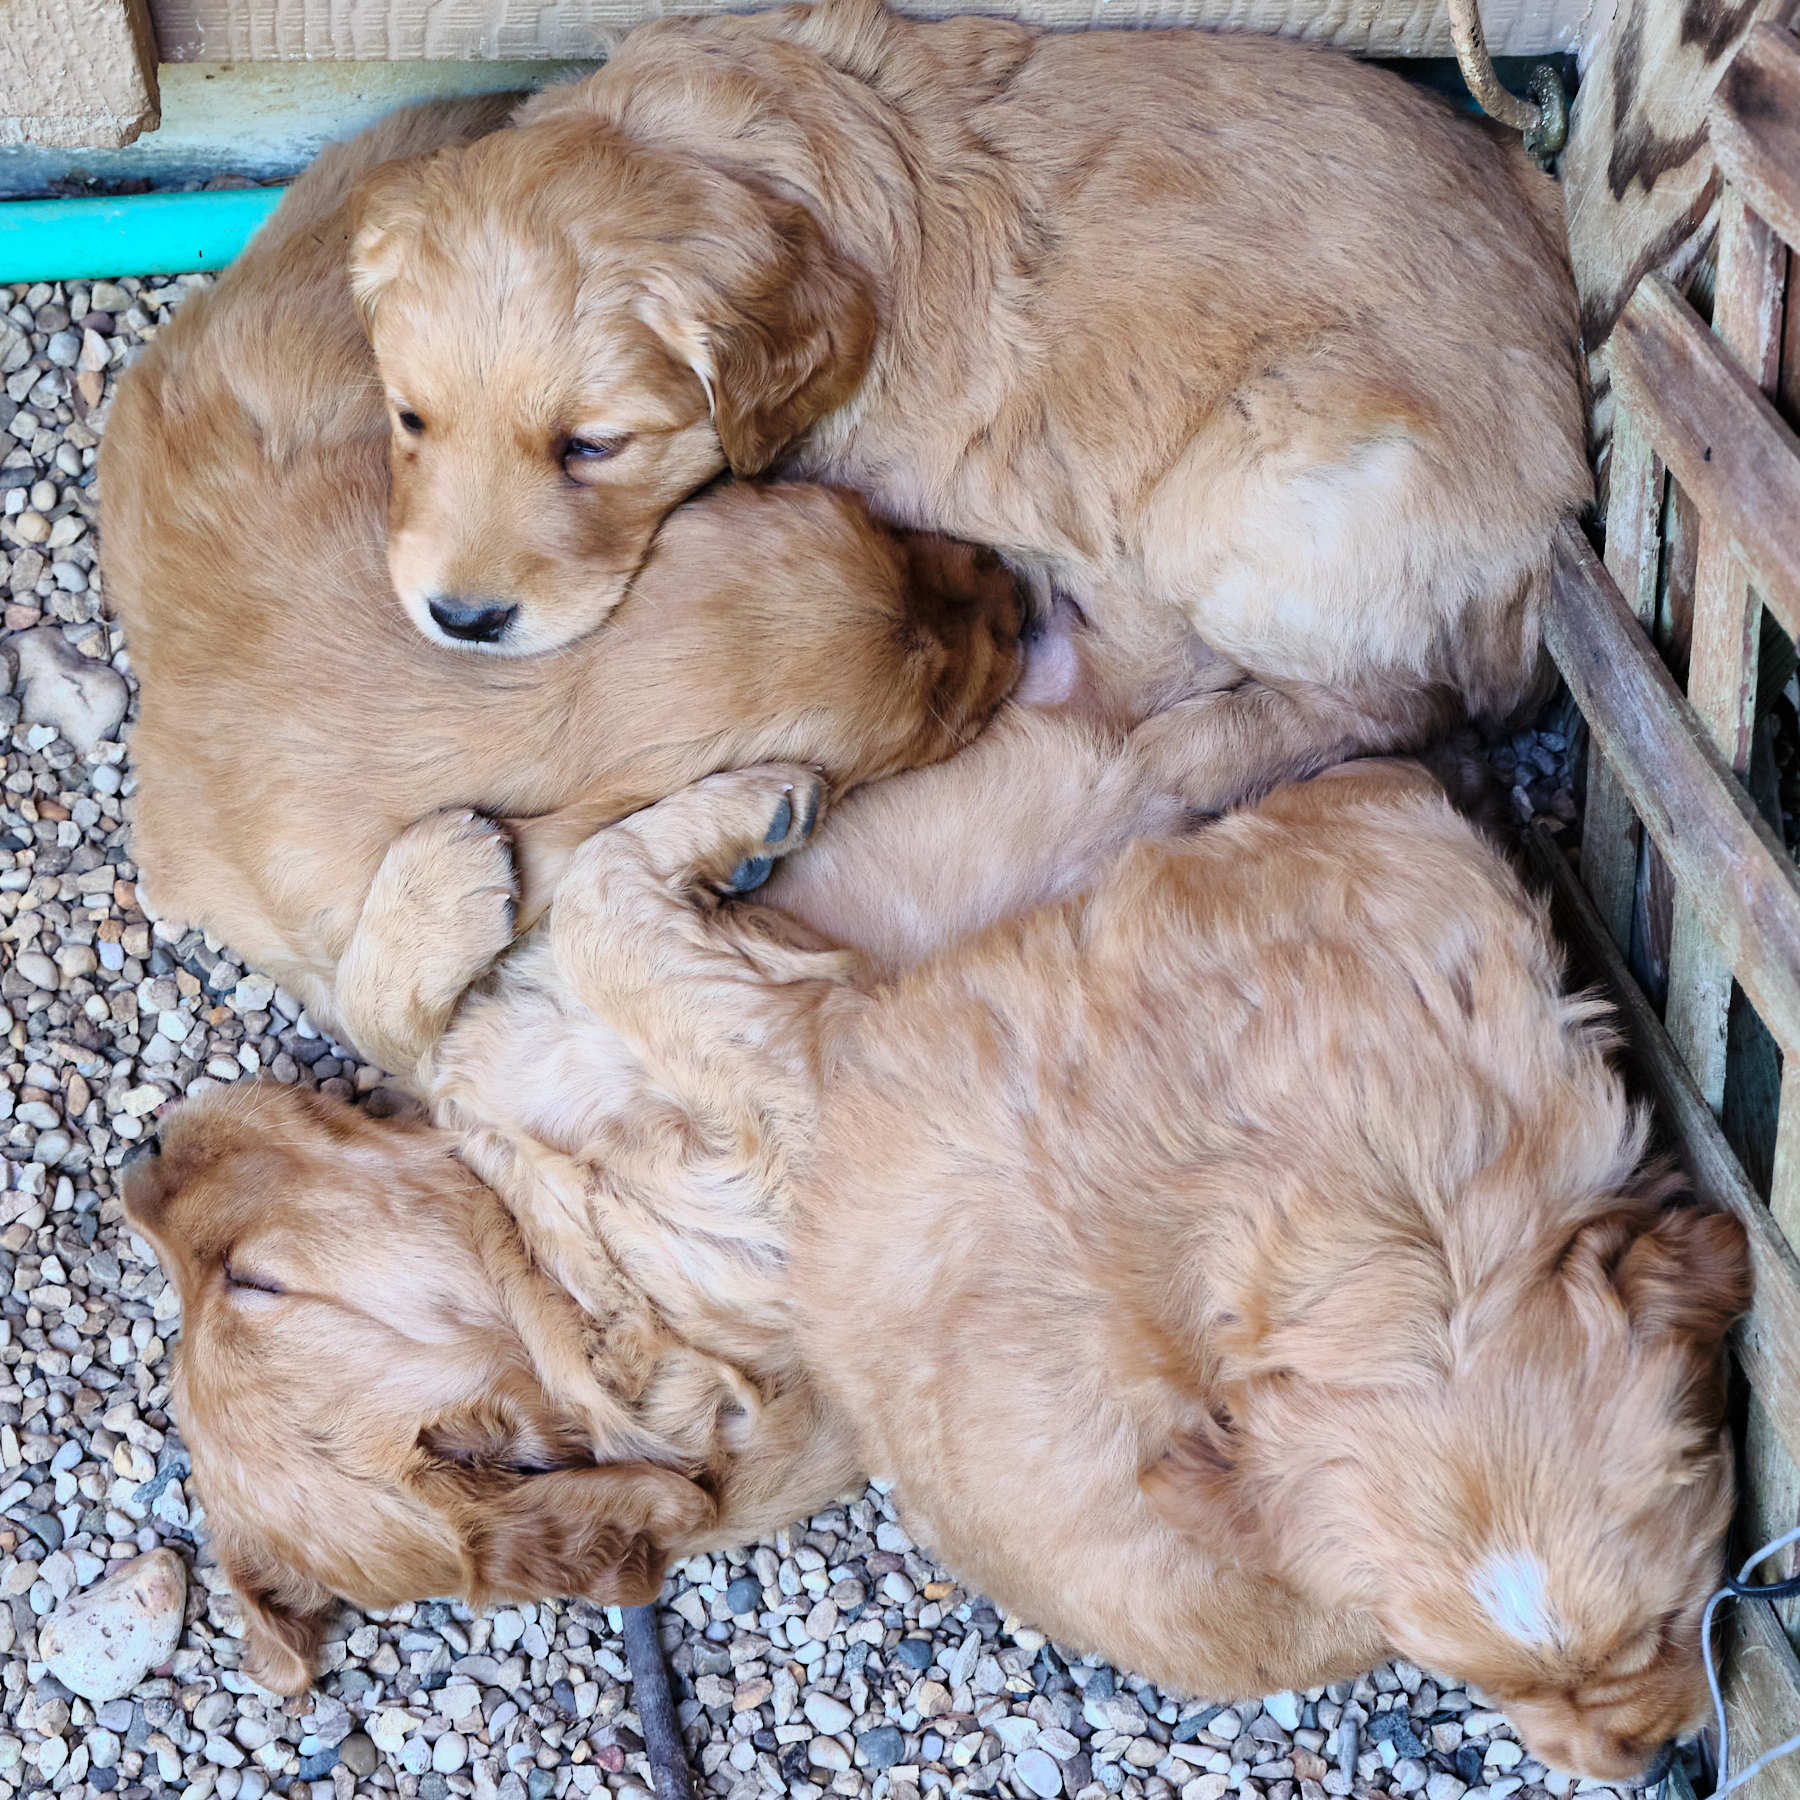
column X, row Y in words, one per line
column 752, row 872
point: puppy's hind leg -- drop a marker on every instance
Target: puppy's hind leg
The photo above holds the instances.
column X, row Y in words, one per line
column 1243, row 738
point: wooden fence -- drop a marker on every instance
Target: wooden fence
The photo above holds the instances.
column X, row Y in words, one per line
column 1695, row 433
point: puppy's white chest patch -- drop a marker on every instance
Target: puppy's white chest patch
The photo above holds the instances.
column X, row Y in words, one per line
column 1513, row 1588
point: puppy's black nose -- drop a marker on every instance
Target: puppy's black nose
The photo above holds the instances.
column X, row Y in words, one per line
column 1659, row 1765
column 473, row 621
column 150, row 1146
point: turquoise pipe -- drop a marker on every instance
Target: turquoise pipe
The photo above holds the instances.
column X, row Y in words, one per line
column 129, row 234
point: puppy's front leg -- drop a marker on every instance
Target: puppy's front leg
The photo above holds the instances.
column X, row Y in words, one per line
column 708, row 993
column 437, row 914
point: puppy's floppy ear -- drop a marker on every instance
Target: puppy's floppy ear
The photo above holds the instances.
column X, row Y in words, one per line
column 1690, row 1273
column 1194, row 1489
column 284, row 1611
column 777, row 325
column 604, row 1533
column 387, row 211
column 1682, row 1271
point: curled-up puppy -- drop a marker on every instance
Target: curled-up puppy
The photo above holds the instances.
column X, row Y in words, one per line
column 1125, row 1231
column 385, row 1398
column 293, row 727
column 1266, row 358
column 1253, row 1268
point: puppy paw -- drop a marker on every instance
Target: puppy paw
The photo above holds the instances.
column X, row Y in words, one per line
column 441, row 909
column 459, row 890
column 790, row 828
column 724, row 835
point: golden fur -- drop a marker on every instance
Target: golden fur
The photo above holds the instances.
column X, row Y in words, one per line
column 385, row 1398
column 1261, row 355
column 293, row 727
column 1248, row 1266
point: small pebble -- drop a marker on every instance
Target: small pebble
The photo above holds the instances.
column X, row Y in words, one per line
column 827, row 1714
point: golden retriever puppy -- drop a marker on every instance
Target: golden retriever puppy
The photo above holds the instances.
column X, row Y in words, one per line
column 348, row 1286
column 1291, row 1284
column 245, row 481
column 1261, row 355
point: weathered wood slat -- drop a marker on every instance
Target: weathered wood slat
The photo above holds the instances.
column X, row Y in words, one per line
column 1743, row 882
column 1747, row 311
column 1769, row 1507
column 1784, row 1185
column 1638, row 176
column 1719, row 435
column 1768, row 1341
column 1762, row 1696
column 1754, row 122
column 508, row 30
column 1609, row 852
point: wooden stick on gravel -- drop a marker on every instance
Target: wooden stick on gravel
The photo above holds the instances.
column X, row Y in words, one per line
column 655, row 1708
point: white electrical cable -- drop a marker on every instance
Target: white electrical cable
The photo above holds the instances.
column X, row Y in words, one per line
column 1712, row 1673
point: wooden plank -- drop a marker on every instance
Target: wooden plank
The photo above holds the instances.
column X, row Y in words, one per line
column 1784, row 1185
column 1609, row 844
column 1722, row 676
column 1769, row 1506
column 1702, row 820
column 1699, row 1004
column 1722, row 439
column 77, row 73
column 1754, row 122
column 1762, row 1695
column 1638, row 178
column 1768, row 1341
column 506, row 30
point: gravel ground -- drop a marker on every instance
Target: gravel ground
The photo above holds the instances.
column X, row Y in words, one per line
column 835, row 1659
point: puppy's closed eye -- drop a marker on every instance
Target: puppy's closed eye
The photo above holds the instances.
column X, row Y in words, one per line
column 580, row 454
column 248, row 1281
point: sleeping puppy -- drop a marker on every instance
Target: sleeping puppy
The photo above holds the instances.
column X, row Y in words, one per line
column 245, row 481
column 1261, row 355
column 384, row 1398
column 1200, row 1189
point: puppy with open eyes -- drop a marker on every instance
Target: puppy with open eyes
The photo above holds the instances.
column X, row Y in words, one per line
column 1248, row 1266
column 1262, row 356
